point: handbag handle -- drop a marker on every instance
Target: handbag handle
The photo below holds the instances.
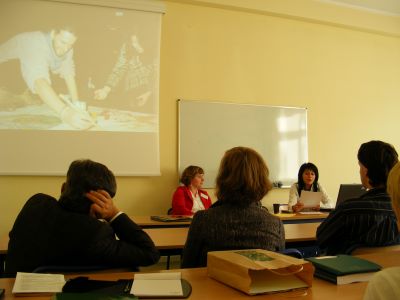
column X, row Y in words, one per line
column 287, row 273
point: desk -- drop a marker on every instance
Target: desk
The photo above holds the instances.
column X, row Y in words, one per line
column 207, row 288
column 147, row 222
column 170, row 241
column 173, row 238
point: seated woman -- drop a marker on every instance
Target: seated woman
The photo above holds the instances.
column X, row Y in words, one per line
column 190, row 198
column 238, row 221
column 307, row 180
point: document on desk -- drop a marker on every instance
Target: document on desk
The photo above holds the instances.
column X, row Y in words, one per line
column 157, row 285
column 310, row 199
column 32, row 283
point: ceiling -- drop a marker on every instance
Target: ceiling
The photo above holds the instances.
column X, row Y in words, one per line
column 391, row 7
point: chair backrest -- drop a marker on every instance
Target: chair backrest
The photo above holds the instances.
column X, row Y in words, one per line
column 292, row 252
column 366, row 250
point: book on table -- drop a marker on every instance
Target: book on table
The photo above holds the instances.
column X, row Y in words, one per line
column 37, row 284
column 343, row 269
column 160, row 285
column 172, row 218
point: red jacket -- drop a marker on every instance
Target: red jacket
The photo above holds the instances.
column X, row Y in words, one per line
column 182, row 201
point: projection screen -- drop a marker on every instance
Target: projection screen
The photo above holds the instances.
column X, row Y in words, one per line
column 79, row 79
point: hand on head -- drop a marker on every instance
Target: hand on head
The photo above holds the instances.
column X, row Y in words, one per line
column 103, row 206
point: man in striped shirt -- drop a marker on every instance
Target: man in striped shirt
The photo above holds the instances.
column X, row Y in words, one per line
column 368, row 220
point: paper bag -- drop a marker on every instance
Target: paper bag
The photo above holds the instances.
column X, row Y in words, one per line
column 256, row 271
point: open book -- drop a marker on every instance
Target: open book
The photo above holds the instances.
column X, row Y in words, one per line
column 35, row 283
column 165, row 285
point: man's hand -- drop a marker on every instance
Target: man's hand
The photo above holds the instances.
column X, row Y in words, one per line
column 298, row 206
column 76, row 118
column 102, row 93
column 103, row 206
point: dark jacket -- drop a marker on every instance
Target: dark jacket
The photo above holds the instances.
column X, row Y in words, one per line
column 365, row 221
column 229, row 227
column 45, row 233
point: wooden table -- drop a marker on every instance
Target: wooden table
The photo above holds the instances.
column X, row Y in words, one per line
column 147, row 222
column 204, row 287
column 173, row 238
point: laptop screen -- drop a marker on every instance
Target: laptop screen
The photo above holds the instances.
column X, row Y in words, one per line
column 347, row 191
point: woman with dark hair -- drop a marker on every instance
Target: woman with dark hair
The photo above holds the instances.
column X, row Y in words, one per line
column 190, row 198
column 307, row 180
column 239, row 221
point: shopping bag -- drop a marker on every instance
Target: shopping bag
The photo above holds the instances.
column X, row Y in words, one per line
column 256, row 271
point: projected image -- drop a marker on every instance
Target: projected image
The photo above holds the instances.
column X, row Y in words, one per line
column 100, row 78
column 136, row 76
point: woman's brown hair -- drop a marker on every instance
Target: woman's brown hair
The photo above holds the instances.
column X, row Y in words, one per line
column 189, row 173
column 242, row 177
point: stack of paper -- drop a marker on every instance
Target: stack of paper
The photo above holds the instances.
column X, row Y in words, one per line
column 32, row 283
column 157, row 285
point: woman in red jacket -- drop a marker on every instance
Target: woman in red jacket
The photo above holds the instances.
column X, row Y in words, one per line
column 190, row 198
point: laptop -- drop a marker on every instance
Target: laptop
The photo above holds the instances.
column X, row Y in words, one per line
column 347, row 191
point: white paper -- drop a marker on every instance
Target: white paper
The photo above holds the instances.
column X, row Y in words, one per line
column 310, row 199
column 38, row 283
column 157, row 284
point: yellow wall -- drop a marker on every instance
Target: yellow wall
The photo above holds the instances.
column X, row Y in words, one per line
column 347, row 78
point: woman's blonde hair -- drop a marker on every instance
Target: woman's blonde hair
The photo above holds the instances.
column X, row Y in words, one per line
column 242, row 177
column 393, row 189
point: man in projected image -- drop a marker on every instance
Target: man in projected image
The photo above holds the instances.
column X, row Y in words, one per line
column 39, row 53
column 136, row 75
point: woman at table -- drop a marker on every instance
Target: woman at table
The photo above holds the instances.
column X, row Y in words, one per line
column 238, row 221
column 385, row 284
column 307, row 180
column 190, row 198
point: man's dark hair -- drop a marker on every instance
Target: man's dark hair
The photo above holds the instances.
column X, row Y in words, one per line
column 84, row 176
column 300, row 181
column 379, row 158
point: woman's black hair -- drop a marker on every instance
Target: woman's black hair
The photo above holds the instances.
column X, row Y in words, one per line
column 300, row 182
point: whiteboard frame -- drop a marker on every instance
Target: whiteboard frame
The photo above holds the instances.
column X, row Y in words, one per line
column 210, row 182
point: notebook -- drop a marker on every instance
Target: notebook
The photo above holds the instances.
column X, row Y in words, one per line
column 343, row 269
column 348, row 191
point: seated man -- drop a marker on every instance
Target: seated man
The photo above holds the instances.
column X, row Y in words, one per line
column 368, row 220
column 69, row 232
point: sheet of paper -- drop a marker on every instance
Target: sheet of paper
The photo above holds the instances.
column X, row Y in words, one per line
column 38, row 283
column 157, row 284
column 310, row 199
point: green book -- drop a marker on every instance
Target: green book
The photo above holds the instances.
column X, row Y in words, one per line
column 343, row 269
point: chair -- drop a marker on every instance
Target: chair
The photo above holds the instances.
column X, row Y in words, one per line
column 292, row 252
column 366, row 250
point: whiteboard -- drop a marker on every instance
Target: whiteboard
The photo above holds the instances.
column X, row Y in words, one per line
column 208, row 129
